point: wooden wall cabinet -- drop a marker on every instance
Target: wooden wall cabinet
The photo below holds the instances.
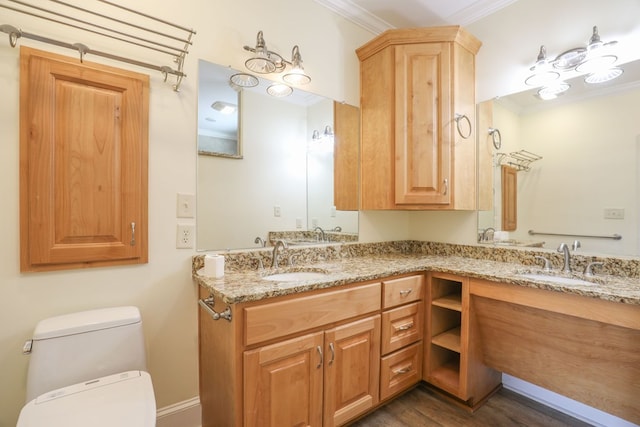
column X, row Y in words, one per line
column 414, row 153
column 452, row 357
column 83, row 163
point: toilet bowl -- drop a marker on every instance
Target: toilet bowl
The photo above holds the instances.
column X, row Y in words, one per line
column 89, row 369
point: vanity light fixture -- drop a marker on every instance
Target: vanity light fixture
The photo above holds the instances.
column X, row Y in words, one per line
column 595, row 60
column 327, row 133
column 265, row 61
column 297, row 75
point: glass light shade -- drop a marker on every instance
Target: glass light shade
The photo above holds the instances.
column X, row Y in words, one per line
column 540, row 79
column 260, row 63
column 551, row 92
column 596, row 64
column 243, row 80
column 603, row 76
column 296, row 77
column 279, row 90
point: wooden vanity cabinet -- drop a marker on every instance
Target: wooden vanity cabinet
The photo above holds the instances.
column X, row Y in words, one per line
column 453, row 361
column 415, row 154
column 310, row 359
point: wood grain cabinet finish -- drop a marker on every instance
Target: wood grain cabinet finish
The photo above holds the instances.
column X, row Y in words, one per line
column 402, row 334
column 453, row 361
column 414, row 153
column 346, row 128
column 309, row 359
column 83, row 163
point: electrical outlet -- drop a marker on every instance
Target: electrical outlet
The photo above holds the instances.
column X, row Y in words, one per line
column 614, row 213
column 185, row 236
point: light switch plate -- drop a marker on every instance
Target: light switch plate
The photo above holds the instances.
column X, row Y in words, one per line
column 185, row 205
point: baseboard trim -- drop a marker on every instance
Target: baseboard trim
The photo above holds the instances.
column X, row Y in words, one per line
column 182, row 414
column 571, row 407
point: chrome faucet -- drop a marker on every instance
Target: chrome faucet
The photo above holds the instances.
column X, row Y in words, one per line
column 485, row 234
column 318, row 228
column 274, row 258
column 567, row 257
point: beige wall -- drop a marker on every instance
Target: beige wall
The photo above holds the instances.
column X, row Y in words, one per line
column 162, row 289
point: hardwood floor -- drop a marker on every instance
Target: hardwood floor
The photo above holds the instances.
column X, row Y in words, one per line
column 423, row 407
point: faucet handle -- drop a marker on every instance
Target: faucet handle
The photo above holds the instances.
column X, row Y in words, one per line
column 576, row 245
column 588, row 270
column 547, row 264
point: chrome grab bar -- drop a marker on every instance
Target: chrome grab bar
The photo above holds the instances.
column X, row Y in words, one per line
column 613, row 236
column 208, row 304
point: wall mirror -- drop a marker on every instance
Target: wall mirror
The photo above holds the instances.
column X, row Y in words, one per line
column 279, row 179
column 585, row 186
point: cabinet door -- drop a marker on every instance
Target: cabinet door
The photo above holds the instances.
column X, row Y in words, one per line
column 346, row 124
column 283, row 383
column 422, row 132
column 352, row 365
column 83, row 163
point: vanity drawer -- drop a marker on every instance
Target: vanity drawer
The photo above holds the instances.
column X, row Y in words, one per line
column 402, row 326
column 403, row 290
column 277, row 319
column 400, row 370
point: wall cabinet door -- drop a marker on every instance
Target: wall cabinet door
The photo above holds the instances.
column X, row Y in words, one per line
column 283, row 383
column 352, row 370
column 422, row 145
column 83, row 163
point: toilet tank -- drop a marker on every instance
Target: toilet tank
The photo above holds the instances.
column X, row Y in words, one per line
column 81, row 346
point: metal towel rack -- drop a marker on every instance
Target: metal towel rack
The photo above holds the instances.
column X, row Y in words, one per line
column 521, row 160
column 120, row 29
column 613, row 236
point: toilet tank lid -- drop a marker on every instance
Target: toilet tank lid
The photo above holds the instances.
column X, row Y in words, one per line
column 86, row 321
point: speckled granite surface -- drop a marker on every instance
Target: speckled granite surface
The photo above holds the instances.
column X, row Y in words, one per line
column 618, row 280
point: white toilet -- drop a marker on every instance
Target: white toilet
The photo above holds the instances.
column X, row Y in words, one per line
column 89, row 369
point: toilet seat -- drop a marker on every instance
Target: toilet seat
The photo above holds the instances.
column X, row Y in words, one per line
column 125, row 400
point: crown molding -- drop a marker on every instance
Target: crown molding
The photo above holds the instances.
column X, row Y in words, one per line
column 357, row 15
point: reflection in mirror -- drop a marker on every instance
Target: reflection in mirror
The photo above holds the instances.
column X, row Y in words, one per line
column 283, row 181
column 218, row 112
column 585, row 187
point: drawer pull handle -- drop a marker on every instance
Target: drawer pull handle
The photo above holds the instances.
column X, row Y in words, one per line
column 405, row 327
column 405, row 292
column 333, row 353
column 321, row 357
column 402, row 370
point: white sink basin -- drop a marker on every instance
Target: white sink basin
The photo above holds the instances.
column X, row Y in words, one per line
column 556, row 279
column 295, row 276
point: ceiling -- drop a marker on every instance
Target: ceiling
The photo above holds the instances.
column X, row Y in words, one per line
column 380, row 15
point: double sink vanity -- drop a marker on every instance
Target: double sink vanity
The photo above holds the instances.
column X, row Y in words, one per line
column 350, row 326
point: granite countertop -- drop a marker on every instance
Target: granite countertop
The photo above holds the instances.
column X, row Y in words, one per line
column 249, row 284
